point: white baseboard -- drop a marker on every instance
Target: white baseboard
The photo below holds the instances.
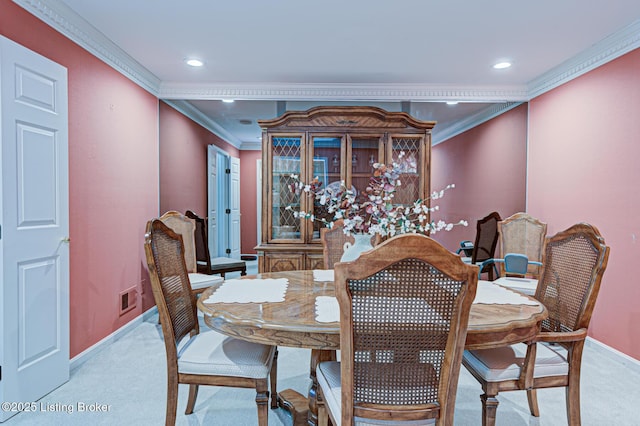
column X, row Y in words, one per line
column 613, row 354
column 88, row 353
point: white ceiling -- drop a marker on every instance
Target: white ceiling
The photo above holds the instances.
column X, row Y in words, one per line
column 365, row 52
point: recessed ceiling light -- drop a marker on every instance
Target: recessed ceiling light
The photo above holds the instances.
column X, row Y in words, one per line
column 502, row 65
column 452, row 102
column 195, row 62
column 227, row 101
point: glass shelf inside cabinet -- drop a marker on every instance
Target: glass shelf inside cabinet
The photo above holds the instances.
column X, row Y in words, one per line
column 327, row 166
column 286, row 161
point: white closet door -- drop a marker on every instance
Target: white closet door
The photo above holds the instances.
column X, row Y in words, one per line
column 35, row 225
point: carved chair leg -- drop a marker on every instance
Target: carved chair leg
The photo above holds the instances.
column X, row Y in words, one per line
column 573, row 400
column 172, row 401
column 489, row 407
column 262, row 401
column 273, row 380
column 323, row 415
column 532, row 397
column 191, row 402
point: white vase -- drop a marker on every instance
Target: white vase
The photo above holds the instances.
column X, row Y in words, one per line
column 352, row 251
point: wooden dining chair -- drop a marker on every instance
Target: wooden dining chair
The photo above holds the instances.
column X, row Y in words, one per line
column 196, row 358
column 204, row 262
column 185, row 227
column 484, row 247
column 333, row 240
column 404, row 310
column 522, row 233
column 574, row 262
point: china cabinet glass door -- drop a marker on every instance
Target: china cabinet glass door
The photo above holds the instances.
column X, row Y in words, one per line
column 286, row 156
column 407, row 153
column 327, row 154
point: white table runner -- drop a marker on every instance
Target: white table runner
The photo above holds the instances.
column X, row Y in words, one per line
column 323, row 275
column 328, row 310
column 250, row 291
column 523, row 285
column 493, row 294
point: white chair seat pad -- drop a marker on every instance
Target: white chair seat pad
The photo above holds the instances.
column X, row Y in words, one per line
column 328, row 375
column 199, row 281
column 212, row 353
column 500, row 364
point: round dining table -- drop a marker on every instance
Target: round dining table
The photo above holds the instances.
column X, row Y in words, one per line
column 292, row 322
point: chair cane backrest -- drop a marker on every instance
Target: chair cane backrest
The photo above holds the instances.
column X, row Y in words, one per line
column 333, row 240
column 404, row 310
column 170, row 284
column 574, row 262
column 484, row 247
column 180, row 224
column 524, row 234
column 200, row 239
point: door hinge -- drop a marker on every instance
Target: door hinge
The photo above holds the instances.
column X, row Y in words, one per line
column 228, row 211
column 228, row 251
column 227, row 171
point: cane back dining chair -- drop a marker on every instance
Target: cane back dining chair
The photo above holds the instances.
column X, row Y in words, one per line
column 195, row 358
column 204, row 262
column 185, row 227
column 484, row 247
column 574, row 262
column 333, row 241
column 404, row 310
column 522, row 233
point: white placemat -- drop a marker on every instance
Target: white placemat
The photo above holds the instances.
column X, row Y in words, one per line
column 327, row 309
column 489, row 293
column 250, row 291
column 323, row 275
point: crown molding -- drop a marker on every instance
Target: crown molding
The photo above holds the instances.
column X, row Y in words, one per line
column 343, row 92
column 251, row 146
column 606, row 50
column 196, row 115
column 63, row 19
column 442, row 133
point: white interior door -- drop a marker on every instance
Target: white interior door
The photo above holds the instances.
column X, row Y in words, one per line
column 212, row 200
column 34, row 319
column 234, row 205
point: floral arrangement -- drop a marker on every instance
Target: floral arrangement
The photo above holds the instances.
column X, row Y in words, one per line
column 373, row 212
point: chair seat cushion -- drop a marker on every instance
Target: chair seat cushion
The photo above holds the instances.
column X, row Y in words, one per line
column 227, row 262
column 500, row 364
column 212, row 353
column 199, row 281
column 328, row 375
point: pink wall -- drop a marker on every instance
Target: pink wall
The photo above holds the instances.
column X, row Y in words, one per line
column 583, row 166
column 488, row 166
column 248, row 199
column 113, row 179
column 183, row 161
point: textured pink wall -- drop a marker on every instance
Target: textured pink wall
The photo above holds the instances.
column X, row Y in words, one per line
column 583, row 166
column 183, row 161
column 113, row 179
column 248, row 199
column 488, row 166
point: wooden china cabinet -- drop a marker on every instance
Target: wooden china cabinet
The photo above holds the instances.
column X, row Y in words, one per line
column 334, row 144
